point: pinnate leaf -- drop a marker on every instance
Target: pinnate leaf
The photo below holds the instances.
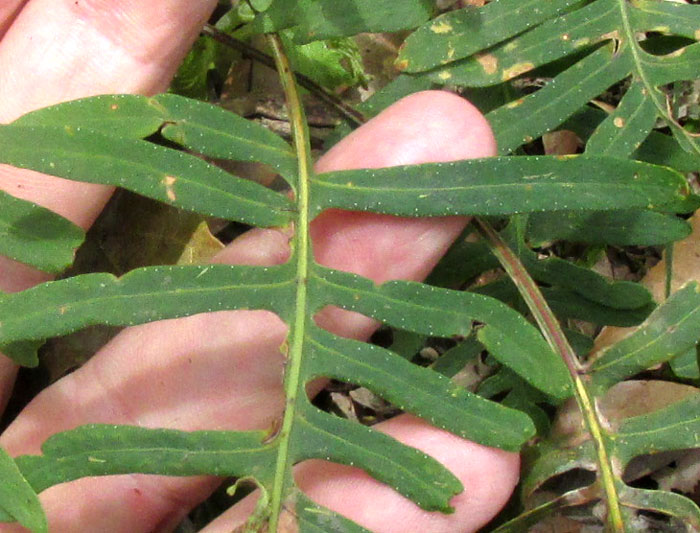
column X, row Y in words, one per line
column 671, row 428
column 596, row 44
column 100, row 450
column 142, row 295
column 501, row 186
column 621, row 228
column 441, row 312
column 460, row 33
column 203, row 128
column 160, row 173
column 417, row 390
column 684, row 510
column 671, row 330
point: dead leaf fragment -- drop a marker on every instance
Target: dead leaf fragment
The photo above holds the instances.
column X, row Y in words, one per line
column 201, row 247
column 686, row 267
column 623, row 400
column 562, row 142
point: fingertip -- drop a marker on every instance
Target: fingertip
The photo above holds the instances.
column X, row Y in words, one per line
column 488, row 475
column 460, row 129
column 425, row 127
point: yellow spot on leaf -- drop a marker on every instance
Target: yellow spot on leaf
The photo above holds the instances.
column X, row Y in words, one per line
column 489, row 62
column 697, row 35
column 441, row 27
column 619, row 122
column 582, row 42
column 450, row 51
column 444, row 75
column 565, row 37
column 402, row 65
column 63, row 309
column 515, row 103
column 169, row 181
column 516, row 70
column 114, row 107
column 510, row 46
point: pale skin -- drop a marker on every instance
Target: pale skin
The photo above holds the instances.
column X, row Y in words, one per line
column 169, row 374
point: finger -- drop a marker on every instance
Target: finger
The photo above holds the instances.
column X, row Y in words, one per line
column 232, row 373
column 8, row 11
column 488, row 476
column 58, row 50
column 61, row 49
column 85, row 48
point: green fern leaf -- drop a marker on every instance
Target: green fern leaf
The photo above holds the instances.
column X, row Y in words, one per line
column 18, row 500
column 36, row 236
column 108, row 148
column 674, row 427
column 312, row 20
column 598, row 46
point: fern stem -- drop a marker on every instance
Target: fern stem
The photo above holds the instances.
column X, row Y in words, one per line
column 301, row 253
column 549, row 325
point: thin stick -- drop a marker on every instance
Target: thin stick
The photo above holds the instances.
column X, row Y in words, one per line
column 348, row 112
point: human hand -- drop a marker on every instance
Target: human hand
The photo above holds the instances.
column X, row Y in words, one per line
column 169, row 374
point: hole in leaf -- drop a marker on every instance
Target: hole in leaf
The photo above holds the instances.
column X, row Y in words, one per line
column 383, row 337
column 573, row 479
column 660, row 45
column 354, row 402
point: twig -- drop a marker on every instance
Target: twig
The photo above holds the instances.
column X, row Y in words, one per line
column 348, row 112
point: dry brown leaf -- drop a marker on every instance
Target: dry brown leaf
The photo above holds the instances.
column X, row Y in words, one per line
column 201, row 247
column 623, row 400
column 684, row 477
column 686, row 267
column 562, row 142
